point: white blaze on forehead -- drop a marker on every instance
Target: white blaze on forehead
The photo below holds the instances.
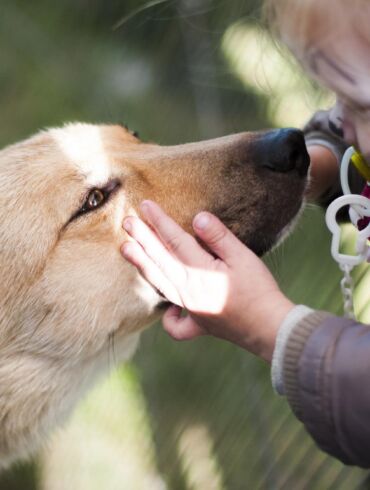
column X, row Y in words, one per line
column 83, row 146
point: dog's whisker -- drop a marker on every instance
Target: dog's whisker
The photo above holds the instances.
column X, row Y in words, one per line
column 115, row 363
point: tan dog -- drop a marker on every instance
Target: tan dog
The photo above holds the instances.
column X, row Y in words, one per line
column 66, row 293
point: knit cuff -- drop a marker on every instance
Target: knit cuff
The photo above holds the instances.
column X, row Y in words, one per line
column 317, row 139
column 294, row 347
column 290, row 321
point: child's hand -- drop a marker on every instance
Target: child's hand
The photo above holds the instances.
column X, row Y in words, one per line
column 233, row 296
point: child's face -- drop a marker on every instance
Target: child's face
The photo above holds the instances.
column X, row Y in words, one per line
column 343, row 65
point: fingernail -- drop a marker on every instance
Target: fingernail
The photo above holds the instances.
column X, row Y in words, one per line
column 144, row 206
column 127, row 225
column 201, row 221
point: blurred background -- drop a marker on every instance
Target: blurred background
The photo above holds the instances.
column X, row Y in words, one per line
column 180, row 416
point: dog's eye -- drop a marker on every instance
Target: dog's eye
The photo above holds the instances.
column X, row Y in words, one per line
column 94, row 199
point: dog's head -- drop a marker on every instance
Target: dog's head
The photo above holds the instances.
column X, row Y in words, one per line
column 66, row 291
column 64, row 195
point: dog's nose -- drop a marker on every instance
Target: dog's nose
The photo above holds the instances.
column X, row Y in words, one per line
column 283, row 150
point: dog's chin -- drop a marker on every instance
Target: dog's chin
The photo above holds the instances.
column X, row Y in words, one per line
column 288, row 229
column 261, row 246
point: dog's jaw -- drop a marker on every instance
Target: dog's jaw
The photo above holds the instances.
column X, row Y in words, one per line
column 21, row 436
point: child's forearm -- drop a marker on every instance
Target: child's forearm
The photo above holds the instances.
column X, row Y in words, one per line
column 324, row 171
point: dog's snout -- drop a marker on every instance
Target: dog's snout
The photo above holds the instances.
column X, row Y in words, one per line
column 283, row 150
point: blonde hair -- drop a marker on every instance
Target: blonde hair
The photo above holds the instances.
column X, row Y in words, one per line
column 303, row 25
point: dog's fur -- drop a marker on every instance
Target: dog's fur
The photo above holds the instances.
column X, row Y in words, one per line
column 66, row 292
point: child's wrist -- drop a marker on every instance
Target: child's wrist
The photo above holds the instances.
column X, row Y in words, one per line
column 264, row 328
column 282, row 307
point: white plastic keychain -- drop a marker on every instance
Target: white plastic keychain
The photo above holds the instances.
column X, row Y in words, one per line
column 359, row 208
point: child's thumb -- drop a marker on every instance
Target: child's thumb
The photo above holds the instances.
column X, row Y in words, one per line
column 216, row 236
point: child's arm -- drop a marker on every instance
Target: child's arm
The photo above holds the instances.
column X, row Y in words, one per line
column 326, row 146
column 326, row 362
column 321, row 360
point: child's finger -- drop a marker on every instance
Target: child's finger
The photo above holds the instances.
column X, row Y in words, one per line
column 179, row 327
column 176, row 240
column 155, row 250
column 218, row 238
column 133, row 252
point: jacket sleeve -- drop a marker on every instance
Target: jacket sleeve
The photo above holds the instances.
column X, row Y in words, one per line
column 326, row 371
column 324, row 129
column 322, row 362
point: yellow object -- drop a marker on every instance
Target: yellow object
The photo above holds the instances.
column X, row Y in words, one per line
column 362, row 167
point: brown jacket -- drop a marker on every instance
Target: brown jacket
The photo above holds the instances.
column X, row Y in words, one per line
column 326, row 380
column 326, row 364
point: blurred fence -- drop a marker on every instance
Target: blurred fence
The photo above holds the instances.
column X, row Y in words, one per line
column 201, row 415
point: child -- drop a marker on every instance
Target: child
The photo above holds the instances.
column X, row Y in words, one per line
column 319, row 361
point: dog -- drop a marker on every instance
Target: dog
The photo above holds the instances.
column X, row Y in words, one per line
column 66, row 292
